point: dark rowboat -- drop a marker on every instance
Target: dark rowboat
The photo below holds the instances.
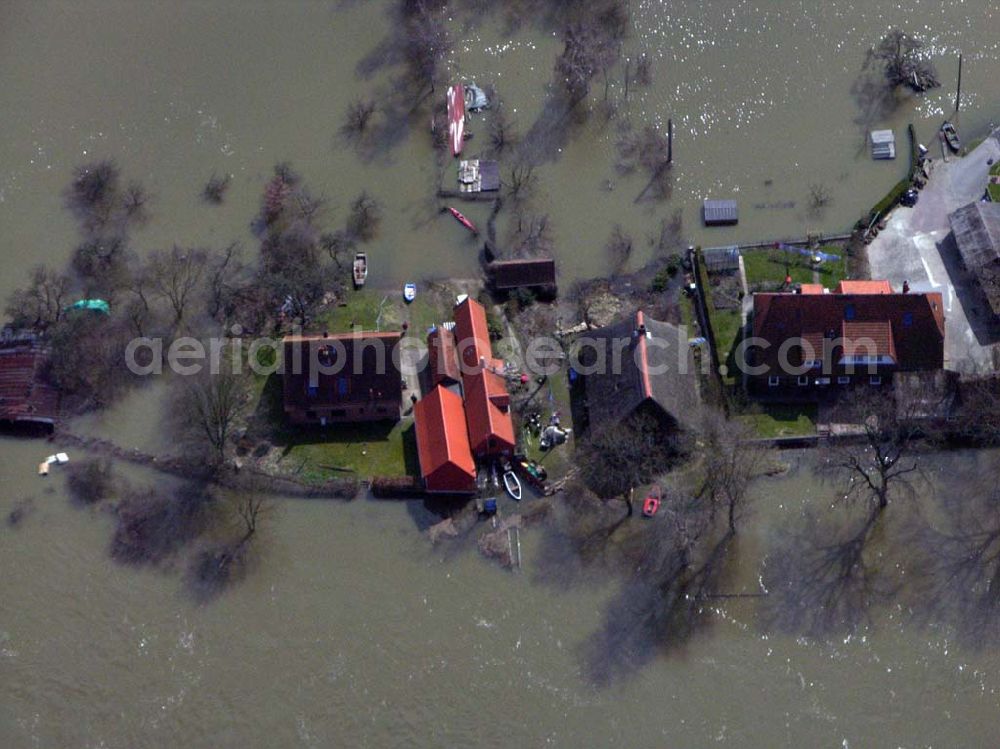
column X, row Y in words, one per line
column 950, row 135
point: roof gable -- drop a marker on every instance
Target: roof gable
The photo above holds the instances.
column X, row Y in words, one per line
column 490, row 425
column 472, row 333
column 907, row 327
column 442, row 442
column 636, row 360
column 360, row 368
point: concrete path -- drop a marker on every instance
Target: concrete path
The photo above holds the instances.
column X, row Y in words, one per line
column 916, row 246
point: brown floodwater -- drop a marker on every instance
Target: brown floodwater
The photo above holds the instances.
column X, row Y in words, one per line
column 352, row 630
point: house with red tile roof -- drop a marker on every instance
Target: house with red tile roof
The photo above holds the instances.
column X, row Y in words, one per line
column 442, row 357
column 446, row 463
column 472, row 335
column 346, row 377
column 487, row 414
column 861, row 333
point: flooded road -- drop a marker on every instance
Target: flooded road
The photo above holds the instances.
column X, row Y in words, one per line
column 352, row 630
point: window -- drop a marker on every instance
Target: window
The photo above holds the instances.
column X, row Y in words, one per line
column 803, row 381
column 849, row 312
column 310, row 414
column 843, row 380
column 313, row 391
column 875, row 380
column 822, row 380
column 773, row 381
column 343, row 386
column 907, row 319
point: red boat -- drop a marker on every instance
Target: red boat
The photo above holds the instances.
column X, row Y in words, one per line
column 456, row 117
column 463, row 220
column 652, row 502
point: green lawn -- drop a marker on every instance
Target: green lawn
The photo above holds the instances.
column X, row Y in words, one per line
column 351, row 451
column 769, row 267
column 782, row 420
column 357, row 451
column 369, row 308
column 726, row 325
column 994, row 190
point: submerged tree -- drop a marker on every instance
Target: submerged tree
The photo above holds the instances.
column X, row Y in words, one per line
column 733, row 459
column 903, row 62
column 210, row 405
column 41, row 303
column 177, row 277
column 881, row 465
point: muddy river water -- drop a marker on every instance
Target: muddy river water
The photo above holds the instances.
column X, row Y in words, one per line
column 352, row 630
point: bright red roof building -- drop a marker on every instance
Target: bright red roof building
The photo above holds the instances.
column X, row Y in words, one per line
column 442, row 356
column 863, row 287
column 487, row 411
column 472, row 334
column 446, row 462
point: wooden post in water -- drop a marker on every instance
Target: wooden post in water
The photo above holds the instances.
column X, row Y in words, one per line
column 958, row 95
column 670, row 141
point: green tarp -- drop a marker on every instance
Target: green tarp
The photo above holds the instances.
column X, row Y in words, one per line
column 97, row 305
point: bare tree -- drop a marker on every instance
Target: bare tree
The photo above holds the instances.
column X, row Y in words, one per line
column 618, row 249
column 819, row 197
column 41, row 303
column 210, row 405
column 357, row 118
column 426, row 43
column 646, row 150
column 364, row 219
column 732, row 460
column 177, row 276
column 903, row 62
column 215, row 189
column 614, row 461
column 587, row 50
column 881, row 464
column 224, row 271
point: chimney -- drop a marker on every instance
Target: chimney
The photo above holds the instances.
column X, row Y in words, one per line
column 326, row 333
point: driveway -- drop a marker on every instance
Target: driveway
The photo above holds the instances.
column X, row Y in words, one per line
column 916, row 246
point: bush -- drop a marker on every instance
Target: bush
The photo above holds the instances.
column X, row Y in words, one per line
column 89, row 480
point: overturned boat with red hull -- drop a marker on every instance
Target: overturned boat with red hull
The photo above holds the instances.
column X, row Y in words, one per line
column 456, row 118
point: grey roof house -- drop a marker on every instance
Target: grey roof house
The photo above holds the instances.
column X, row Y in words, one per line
column 976, row 228
column 654, row 371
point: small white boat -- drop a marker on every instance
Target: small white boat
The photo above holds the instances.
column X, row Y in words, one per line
column 409, row 292
column 512, row 485
column 360, row 269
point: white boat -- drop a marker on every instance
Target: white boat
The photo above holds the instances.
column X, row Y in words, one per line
column 360, row 269
column 512, row 485
column 409, row 292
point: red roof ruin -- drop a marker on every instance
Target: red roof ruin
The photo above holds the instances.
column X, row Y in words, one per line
column 25, row 396
column 446, row 462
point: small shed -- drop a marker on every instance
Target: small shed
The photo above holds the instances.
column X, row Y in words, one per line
column 539, row 272
column 720, row 212
column 722, row 259
column 477, row 175
column 883, row 144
